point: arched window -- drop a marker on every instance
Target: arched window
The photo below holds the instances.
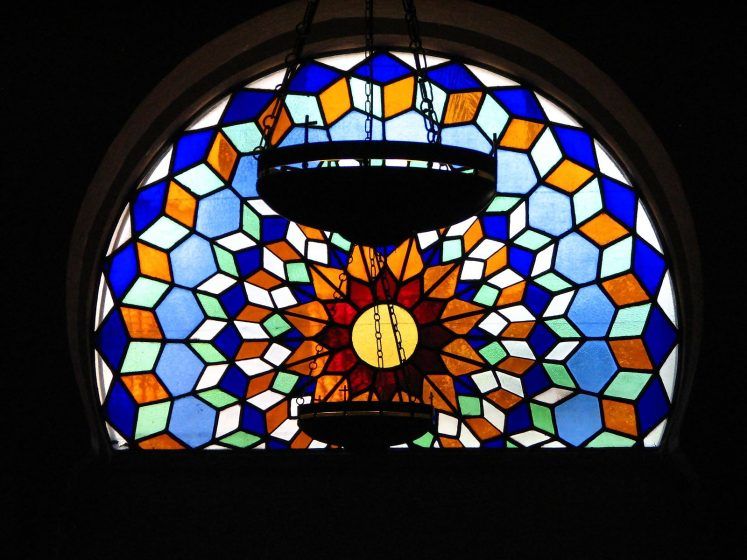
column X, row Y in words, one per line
column 550, row 319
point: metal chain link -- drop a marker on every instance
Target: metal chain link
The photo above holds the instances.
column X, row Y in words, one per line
column 369, row 109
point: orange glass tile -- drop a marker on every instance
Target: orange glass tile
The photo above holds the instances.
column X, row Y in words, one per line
column 512, row 294
column 456, row 307
column 458, row 366
column 359, row 266
column 306, row 352
column 631, row 354
column 398, row 97
column 253, row 314
column 144, row 387
column 520, row 134
column 569, row 176
column 515, row 365
column 312, row 310
column 327, row 282
column 405, row 261
column 329, row 388
column 284, row 250
column 284, row 122
column 141, row 323
column 496, row 262
column 472, row 236
column 620, row 417
column 153, row 262
column 251, row 349
column 164, row 441
column 181, row 205
column 462, row 107
column 263, row 279
column 503, row 399
column 463, row 349
column 446, row 284
column 463, row 325
column 222, row 156
column 625, row 290
column 301, row 441
column 311, row 233
column 518, row 330
column 482, row 428
column 276, row 416
column 603, row 230
column 450, row 442
column 335, row 100
column 440, row 389
column 259, row 384
column 306, row 327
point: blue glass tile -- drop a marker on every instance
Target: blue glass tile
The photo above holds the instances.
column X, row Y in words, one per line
column 535, row 380
column 518, row 419
column 520, row 103
column 302, row 296
column 578, row 419
column 495, row 227
column 536, row 299
column 277, row 444
column 620, row 201
column 520, row 260
column 514, row 173
column 312, row 78
column 408, row 127
column 274, row 228
column 245, row 178
column 591, row 311
column 659, row 336
column 191, row 148
column 235, row 382
column 252, row 420
column 179, row 368
column 464, row 385
column 112, row 339
column 234, row 300
column 179, row 314
column 577, row 258
column 228, row 340
column 338, row 258
column 466, row 290
column 648, row 266
column 541, row 340
column 246, row 106
column 148, row 206
column 652, row 406
column 499, row 443
column 577, row 145
column 192, row 421
column 465, row 136
column 123, row 270
column 298, row 135
column 592, row 365
column 249, row 261
column 218, row 214
column 453, row 77
column 550, row 211
column 192, row 262
column 121, row 409
column 384, row 68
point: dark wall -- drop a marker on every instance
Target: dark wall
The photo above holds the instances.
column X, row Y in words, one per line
column 73, row 76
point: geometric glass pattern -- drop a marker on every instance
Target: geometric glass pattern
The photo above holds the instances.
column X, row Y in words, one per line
column 548, row 320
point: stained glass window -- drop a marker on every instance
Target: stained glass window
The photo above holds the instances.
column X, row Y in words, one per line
column 548, row 320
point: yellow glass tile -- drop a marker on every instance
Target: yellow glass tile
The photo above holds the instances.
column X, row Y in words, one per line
column 462, row 107
column 181, row 205
column 603, row 230
column 153, row 263
column 569, row 176
column 398, row 97
column 335, row 100
column 520, row 134
column 364, row 335
column 222, row 156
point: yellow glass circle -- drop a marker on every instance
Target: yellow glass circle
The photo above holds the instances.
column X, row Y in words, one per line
column 364, row 335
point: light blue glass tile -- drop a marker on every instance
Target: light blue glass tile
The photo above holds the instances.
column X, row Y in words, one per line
column 165, row 233
column 465, row 136
column 550, row 211
column 587, row 201
column 179, row 313
column 546, row 152
column 303, row 106
column 200, row 180
column 246, row 137
column 409, row 127
column 577, row 258
column 515, row 173
column 245, row 178
column 592, row 365
column 578, row 419
column 353, row 127
column 492, row 118
column 218, row 214
column 617, row 258
column 179, row 368
column 192, row 262
column 591, row 311
column 192, row 421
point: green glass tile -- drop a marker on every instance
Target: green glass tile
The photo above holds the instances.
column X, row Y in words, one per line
column 559, row 375
column 511, row 445
column 211, row 306
column 164, row 233
column 208, row 352
column 493, row 352
column 469, row 406
column 452, row 249
column 630, row 320
column 275, row 325
column 226, row 261
column 200, row 180
column 141, row 356
column 542, row 417
column 486, row 295
column 562, row 328
column 145, row 292
column 426, row 440
column 532, row 240
column 552, row 282
column 341, row 242
column 250, row 222
column 303, row 106
column 492, row 118
column 616, row 258
column 627, row 385
column 284, row 382
column 503, row 203
column 218, row 398
column 240, row 439
column 297, row 272
column 246, row 137
column 608, row 439
column 151, row 419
